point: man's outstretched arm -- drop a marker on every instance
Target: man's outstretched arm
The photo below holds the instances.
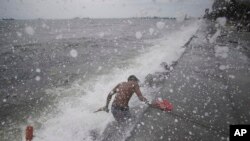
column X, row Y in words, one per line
column 110, row 97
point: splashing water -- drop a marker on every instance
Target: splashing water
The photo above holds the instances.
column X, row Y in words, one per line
column 76, row 119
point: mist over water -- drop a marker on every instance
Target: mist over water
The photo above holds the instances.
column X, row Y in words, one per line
column 69, row 66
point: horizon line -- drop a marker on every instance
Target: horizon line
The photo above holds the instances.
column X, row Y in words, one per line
column 134, row 17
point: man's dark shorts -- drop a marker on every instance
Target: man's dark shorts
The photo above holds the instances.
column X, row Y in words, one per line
column 120, row 114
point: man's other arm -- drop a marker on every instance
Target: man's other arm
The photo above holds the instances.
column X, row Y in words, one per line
column 139, row 94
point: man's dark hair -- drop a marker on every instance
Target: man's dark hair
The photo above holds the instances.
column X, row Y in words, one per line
column 133, row 77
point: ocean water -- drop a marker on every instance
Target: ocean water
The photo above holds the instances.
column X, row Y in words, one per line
column 55, row 73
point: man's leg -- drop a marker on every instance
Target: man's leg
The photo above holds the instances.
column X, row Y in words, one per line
column 117, row 114
column 127, row 115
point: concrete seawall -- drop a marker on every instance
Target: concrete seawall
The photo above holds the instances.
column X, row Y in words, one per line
column 209, row 88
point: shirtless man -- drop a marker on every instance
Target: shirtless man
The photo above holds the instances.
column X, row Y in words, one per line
column 124, row 92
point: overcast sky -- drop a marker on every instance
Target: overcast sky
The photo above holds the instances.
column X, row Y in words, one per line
column 30, row 9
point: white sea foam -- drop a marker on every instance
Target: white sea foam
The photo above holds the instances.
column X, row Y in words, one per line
column 76, row 119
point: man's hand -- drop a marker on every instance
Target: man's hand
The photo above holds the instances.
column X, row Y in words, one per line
column 147, row 102
column 105, row 108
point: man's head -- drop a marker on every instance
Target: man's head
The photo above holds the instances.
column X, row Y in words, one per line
column 133, row 78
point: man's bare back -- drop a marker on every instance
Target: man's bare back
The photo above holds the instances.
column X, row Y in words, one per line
column 124, row 92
